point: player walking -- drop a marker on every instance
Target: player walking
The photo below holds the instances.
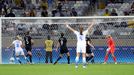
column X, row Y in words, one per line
column 110, row 49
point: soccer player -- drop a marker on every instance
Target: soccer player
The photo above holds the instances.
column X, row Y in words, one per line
column 48, row 47
column 62, row 43
column 89, row 53
column 81, row 43
column 28, row 45
column 110, row 49
column 18, row 49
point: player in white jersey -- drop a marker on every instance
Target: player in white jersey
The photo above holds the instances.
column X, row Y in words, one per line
column 81, row 43
column 18, row 49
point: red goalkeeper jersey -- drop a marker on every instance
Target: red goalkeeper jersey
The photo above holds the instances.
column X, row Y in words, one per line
column 111, row 44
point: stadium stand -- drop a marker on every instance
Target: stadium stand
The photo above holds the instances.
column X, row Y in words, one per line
column 33, row 8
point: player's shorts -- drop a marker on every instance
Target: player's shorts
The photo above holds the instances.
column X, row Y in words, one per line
column 81, row 49
column 112, row 50
column 63, row 50
column 19, row 52
column 28, row 48
column 88, row 50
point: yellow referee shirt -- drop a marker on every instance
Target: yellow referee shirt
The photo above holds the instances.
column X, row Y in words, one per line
column 48, row 45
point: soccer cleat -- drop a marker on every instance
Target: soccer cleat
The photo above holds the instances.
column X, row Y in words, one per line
column 84, row 66
column 76, row 67
column 104, row 63
column 92, row 61
column 54, row 63
column 28, row 63
column 115, row 63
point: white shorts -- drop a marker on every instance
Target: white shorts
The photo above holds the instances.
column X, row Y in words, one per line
column 81, row 49
column 19, row 52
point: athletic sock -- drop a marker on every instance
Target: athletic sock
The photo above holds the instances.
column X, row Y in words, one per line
column 57, row 60
column 18, row 60
column 106, row 58
column 26, row 59
column 114, row 58
column 76, row 61
column 68, row 59
column 90, row 58
column 30, row 58
column 92, row 61
column 84, row 61
column 87, row 59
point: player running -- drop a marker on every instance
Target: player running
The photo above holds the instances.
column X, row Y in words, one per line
column 110, row 49
column 62, row 43
column 18, row 49
column 28, row 45
column 89, row 53
column 81, row 43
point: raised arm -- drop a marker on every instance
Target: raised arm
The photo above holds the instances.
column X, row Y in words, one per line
column 58, row 45
column 91, row 25
column 70, row 28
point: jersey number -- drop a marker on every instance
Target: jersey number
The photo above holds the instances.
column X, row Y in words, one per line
column 17, row 45
column 61, row 42
column 27, row 41
column 81, row 38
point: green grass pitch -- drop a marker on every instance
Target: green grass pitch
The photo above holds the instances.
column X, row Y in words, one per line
column 65, row 69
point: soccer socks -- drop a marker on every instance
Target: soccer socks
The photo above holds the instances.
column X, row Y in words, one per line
column 76, row 61
column 68, row 59
column 18, row 59
column 92, row 61
column 30, row 57
column 114, row 58
column 84, row 61
column 26, row 59
column 57, row 60
column 89, row 58
column 106, row 58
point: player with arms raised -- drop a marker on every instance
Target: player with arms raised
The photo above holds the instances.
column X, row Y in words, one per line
column 81, row 43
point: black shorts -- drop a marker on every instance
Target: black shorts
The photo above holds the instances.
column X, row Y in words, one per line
column 63, row 50
column 28, row 48
column 88, row 50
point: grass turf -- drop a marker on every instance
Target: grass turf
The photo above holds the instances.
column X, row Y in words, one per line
column 65, row 69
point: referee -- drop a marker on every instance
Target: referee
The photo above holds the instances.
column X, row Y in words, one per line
column 63, row 48
column 48, row 47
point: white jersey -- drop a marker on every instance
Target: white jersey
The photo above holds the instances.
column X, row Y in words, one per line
column 17, row 44
column 81, row 39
